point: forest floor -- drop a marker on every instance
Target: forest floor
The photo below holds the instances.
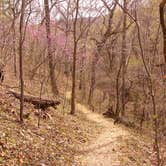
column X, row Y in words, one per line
column 115, row 146
column 86, row 139
column 54, row 143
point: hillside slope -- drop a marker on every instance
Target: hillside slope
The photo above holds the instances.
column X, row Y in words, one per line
column 54, row 143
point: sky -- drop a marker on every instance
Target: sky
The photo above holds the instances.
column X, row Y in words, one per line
column 88, row 7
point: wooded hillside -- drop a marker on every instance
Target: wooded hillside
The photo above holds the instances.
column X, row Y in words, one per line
column 76, row 63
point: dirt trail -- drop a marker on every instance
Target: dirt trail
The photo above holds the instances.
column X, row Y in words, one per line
column 110, row 148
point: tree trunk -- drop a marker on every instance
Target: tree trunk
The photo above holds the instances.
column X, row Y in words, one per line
column 93, row 78
column 49, row 51
column 163, row 25
column 14, row 44
column 118, row 91
column 21, row 40
column 124, row 58
column 81, row 73
column 74, row 60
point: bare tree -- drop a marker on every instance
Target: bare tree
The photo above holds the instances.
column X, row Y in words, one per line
column 150, row 83
column 49, row 50
column 124, row 57
column 74, row 57
column 14, row 40
column 100, row 45
column 163, row 25
column 21, row 41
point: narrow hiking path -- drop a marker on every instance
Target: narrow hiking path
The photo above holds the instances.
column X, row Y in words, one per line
column 115, row 146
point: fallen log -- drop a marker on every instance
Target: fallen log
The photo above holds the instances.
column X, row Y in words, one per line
column 38, row 102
